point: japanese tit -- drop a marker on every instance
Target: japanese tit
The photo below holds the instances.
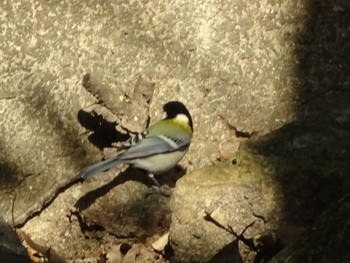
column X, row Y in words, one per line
column 156, row 150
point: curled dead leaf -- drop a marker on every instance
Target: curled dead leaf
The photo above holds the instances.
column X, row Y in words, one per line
column 160, row 244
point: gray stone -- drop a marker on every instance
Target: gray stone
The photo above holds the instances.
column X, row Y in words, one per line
column 277, row 183
column 237, row 196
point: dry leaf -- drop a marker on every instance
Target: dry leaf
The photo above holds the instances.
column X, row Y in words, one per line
column 114, row 254
column 160, row 244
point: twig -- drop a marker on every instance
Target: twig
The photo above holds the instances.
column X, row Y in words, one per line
column 12, row 209
column 248, row 242
column 43, row 201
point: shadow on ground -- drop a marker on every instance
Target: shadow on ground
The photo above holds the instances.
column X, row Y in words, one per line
column 309, row 158
column 311, row 155
column 323, row 52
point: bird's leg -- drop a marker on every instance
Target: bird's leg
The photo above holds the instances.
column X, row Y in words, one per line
column 154, row 180
column 158, row 188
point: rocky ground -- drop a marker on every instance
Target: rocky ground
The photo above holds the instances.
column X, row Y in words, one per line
column 267, row 85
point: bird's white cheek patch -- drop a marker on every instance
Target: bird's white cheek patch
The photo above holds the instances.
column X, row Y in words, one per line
column 182, row 117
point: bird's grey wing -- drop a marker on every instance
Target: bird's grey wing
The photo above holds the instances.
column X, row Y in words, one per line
column 153, row 145
column 100, row 167
column 144, row 147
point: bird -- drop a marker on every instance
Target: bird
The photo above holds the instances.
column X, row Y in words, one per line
column 157, row 149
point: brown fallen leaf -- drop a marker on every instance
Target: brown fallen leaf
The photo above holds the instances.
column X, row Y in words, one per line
column 39, row 253
column 114, row 254
column 224, row 155
column 160, row 243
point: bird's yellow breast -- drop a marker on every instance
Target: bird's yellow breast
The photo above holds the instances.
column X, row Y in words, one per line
column 171, row 125
column 183, row 124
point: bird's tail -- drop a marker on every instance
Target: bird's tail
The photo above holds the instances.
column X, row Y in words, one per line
column 100, row 167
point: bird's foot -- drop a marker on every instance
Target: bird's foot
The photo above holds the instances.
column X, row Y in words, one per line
column 161, row 190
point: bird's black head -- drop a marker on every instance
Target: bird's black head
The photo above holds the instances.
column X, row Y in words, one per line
column 174, row 108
